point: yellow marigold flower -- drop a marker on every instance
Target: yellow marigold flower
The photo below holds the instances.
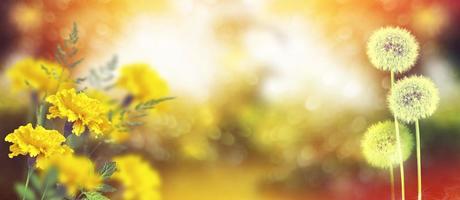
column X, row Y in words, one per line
column 36, row 142
column 142, row 82
column 79, row 109
column 117, row 132
column 77, row 173
column 45, row 162
column 38, row 75
column 139, row 180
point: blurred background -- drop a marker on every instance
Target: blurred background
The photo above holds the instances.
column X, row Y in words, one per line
column 272, row 96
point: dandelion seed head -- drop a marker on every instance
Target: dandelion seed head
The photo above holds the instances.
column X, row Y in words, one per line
column 413, row 98
column 392, row 49
column 379, row 144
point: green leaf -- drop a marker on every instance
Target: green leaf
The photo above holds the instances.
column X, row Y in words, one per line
column 151, row 103
column 35, row 181
column 23, row 192
column 74, row 141
column 73, row 52
column 51, row 176
column 134, row 124
column 74, row 64
column 80, row 80
column 73, row 36
column 106, row 188
column 108, row 169
column 95, row 196
column 45, row 69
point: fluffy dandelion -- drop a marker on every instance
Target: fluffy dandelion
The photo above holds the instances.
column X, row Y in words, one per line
column 40, row 76
column 380, row 148
column 138, row 179
column 80, row 110
column 36, row 142
column 392, row 49
column 142, row 82
column 413, row 98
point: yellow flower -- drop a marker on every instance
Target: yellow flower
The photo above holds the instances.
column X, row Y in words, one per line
column 139, row 180
column 38, row 75
column 79, row 109
column 45, row 162
column 77, row 173
column 37, row 142
column 142, row 82
column 117, row 132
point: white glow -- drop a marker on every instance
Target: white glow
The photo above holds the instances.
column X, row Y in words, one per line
column 181, row 46
column 180, row 50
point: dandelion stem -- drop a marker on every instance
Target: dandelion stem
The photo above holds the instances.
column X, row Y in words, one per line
column 398, row 141
column 392, row 180
column 26, row 186
column 419, row 160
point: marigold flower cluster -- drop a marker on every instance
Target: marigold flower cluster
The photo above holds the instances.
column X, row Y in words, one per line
column 91, row 112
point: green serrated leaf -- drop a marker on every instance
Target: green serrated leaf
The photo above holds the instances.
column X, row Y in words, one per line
column 22, row 191
column 80, row 80
column 74, row 64
column 140, row 115
column 151, row 103
column 73, row 36
column 108, row 169
column 95, row 196
column 44, row 68
column 58, row 56
column 106, row 188
column 73, row 52
column 132, row 124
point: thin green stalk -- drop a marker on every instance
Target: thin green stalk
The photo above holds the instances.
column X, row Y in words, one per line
column 26, row 186
column 392, row 180
column 419, row 160
column 45, row 190
column 398, row 141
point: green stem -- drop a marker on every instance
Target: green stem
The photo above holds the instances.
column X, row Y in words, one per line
column 45, row 190
column 419, row 160
column 392, row 180
column 398, row 141
column 26, row 186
